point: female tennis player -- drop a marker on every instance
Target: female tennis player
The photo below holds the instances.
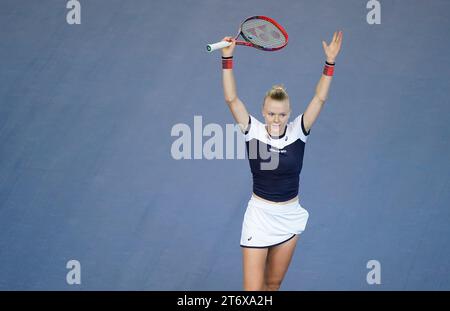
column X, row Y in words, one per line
column 274, row 217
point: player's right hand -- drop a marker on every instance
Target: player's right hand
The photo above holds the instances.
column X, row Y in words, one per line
column 228, row 51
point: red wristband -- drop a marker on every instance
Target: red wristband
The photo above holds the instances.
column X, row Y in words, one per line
column 227, row 63
column 328, row 70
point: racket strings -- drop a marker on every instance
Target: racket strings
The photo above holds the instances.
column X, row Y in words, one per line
column 263, row 33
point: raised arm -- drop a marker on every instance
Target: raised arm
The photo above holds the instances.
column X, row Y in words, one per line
column 315, row 106
column 236, row 106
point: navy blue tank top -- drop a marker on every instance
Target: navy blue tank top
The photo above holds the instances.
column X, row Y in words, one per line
column 276, row 162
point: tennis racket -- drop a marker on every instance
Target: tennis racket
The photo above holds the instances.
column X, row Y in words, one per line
column 260, row 32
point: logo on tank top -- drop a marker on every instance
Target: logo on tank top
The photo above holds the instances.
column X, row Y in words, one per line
column 273, row 149
column 249, row 238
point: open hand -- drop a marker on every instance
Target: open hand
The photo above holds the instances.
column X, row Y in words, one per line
column 332, row 49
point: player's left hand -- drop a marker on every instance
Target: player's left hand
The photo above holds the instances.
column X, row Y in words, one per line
column 332, row 49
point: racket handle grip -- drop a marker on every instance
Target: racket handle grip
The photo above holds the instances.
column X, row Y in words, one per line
column 217, row 46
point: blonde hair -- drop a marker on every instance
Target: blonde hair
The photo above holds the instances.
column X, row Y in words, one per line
column 277, row 92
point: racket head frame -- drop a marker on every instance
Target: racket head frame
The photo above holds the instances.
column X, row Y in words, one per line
column 270, row 20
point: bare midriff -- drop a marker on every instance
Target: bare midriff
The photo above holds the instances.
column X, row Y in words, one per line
column 281, row 203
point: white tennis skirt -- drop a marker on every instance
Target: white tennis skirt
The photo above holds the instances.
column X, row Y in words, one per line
column 267, row 224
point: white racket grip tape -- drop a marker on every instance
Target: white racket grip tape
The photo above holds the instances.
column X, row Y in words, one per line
column 217, row 46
